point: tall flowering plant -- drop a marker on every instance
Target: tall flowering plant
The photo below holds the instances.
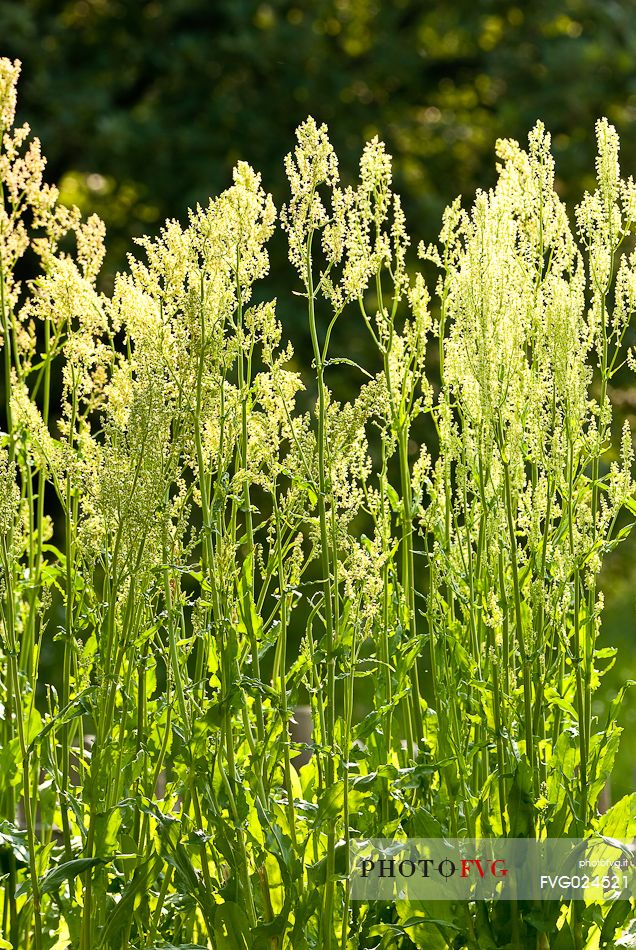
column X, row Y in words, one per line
column 206, row 555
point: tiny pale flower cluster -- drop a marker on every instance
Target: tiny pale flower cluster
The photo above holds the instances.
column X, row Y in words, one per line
column 450, row 520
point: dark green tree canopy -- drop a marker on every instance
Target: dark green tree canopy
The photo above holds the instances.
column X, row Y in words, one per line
column 150, row 103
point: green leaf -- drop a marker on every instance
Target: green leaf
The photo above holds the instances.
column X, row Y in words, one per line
column 394, row 498
column 174, row 852
column 616, row 917
column 619, row 821
column 317, row 873
column 373, row 720
column 52, row 881
column 16, row 839
column 330, row 804
column 336, row 360
column 426, row 927
column 280, row 845
column 81, row 705
column 232, row 930
column 247, row 609
column 264, row 935
column 521, row 801
column 422, row 824
column 552, row 698
column 10, row 768
column 107, row 827
column 564, row 939
column 121, row 912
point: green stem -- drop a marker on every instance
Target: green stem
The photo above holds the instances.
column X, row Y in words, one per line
column 526, row 663
column 323, row 489
column 14, row 681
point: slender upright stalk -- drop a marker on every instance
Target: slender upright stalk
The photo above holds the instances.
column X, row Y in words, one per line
column 8, row 619
column 325, row 554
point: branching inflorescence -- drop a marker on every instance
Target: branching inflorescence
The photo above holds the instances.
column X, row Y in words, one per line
column 205, row 555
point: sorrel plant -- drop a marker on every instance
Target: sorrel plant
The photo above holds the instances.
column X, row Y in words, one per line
column 171, row 518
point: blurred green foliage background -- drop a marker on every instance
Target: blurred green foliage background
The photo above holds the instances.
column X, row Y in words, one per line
column 143, row 106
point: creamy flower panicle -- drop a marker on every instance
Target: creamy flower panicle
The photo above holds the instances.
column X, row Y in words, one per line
column 233, row 541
